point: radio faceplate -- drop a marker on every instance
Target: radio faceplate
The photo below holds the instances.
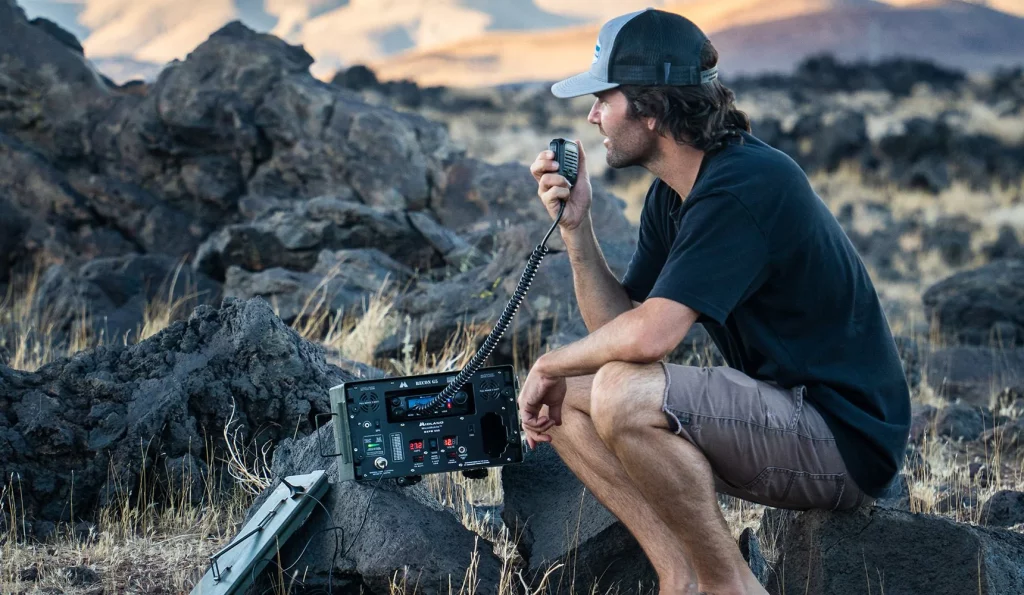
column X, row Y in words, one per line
column 376, row 425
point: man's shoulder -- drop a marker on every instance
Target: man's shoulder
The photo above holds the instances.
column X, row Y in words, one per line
column 750, row 156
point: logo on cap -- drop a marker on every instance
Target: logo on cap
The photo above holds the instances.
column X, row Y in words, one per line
column 597, row 51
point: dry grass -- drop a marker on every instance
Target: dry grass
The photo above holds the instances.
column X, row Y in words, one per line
column 160, row 544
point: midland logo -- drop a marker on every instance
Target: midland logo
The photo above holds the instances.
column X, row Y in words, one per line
column 597, row 51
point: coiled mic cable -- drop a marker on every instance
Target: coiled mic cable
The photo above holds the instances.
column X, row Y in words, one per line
column 499, row 329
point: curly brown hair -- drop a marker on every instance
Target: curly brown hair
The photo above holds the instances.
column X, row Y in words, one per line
column 703, row 116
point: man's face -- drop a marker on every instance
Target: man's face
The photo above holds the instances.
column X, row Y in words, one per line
column 628, row 141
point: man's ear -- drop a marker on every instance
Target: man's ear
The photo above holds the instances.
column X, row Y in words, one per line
column 652, row 123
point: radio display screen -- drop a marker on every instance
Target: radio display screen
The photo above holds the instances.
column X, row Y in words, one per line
column 401, row 405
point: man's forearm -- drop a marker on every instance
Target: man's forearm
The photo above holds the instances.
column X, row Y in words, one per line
column 600, row 295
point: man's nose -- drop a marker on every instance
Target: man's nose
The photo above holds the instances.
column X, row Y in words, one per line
column 594, row 117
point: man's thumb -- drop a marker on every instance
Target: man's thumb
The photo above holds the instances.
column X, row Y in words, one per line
column 583, row 158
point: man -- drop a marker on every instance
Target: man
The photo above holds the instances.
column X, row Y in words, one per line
column 813, row 409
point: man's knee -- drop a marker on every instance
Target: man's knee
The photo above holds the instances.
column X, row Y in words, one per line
column 624, row 396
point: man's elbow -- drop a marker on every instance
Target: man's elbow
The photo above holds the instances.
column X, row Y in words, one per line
column 649, row 348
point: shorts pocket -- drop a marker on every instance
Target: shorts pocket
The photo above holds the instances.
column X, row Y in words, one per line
column 779, row 487
column 781, row 408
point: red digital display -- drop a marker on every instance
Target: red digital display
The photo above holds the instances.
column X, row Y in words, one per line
column 449, row 441
column 415, row 445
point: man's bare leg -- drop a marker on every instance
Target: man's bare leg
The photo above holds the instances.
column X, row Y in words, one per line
column 673, row 476
column 578, row 444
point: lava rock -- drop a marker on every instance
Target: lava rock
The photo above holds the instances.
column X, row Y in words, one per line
column 1004, row 509
column 875, row 548
column 559, row 522
column 385, row 529
column 95, row 421
column 970, row 306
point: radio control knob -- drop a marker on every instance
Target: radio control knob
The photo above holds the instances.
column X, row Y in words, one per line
column 380, row 463
column 395, row 402
column 461, row 397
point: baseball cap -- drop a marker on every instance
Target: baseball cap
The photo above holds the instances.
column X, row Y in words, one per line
column 646, row 47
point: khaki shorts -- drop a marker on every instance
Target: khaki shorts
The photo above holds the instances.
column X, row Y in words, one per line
column 765, row 443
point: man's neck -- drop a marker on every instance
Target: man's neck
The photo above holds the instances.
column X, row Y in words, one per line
column 678, row 166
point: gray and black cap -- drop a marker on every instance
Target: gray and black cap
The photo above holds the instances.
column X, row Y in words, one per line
column 647, row 47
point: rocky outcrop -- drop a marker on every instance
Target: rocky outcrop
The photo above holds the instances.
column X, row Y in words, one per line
column 983, row 306
column 103, row 420
column 561, row 523
column 875, row 549
column 118, row 295
column 373, row 533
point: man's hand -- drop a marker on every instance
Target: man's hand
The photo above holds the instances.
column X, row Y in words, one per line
column 553, row 189
column 540, row 389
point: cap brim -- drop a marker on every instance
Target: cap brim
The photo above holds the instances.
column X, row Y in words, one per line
column 581, row 84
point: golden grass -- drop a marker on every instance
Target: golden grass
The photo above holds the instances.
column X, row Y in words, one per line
column 162, row 543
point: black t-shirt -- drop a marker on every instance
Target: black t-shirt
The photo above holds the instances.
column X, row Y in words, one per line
column 783, row 294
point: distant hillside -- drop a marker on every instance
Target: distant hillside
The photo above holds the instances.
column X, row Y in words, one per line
column 486, row 42
column 954, row 33
column 957, row 34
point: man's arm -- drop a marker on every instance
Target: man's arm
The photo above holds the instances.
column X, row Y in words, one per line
column 600, row 295
column 642, row 335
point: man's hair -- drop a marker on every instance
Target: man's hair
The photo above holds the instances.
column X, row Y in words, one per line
column 703, row 116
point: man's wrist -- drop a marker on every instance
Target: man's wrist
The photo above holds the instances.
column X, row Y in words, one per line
column 581, row 233
column 543, row 365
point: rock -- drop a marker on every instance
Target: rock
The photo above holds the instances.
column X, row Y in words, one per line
column 876, row 550
column 1004, row 509
column 340, row 281
column 922, row 421
column 897, row 496
column 750, row 549
column 119, row 293
column 951, row 236
column 979, row 473
column 357, row 77
column 559, row 522
column 47, row 86
column 384, row 529
column 1006, row 245
column 832, row 139
column 114, row 408
column 973, row 374
column 1010, row 401
column 955, row 500
column 910, row 357
column 13, row 227
column 961, row 421
column 293, row 237
column 81, row 576
column 187, row 478
column 968, row 306
column 1006, row 437
column 141, row 218
column 391, row 160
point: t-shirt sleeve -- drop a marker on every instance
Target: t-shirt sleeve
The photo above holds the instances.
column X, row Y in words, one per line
column 649, row 255
column 718, row 254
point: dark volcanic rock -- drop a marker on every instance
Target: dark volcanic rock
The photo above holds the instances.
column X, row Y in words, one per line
column 876, row 549
column 961, row 421
column 559, row 522
column 47, row 86
column 385, row 529
column 1004, row 509
column 115, row 292
column 292, row 234
column 973, row 374
column 99, row 419
column 983, row 306
column 340, row 280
